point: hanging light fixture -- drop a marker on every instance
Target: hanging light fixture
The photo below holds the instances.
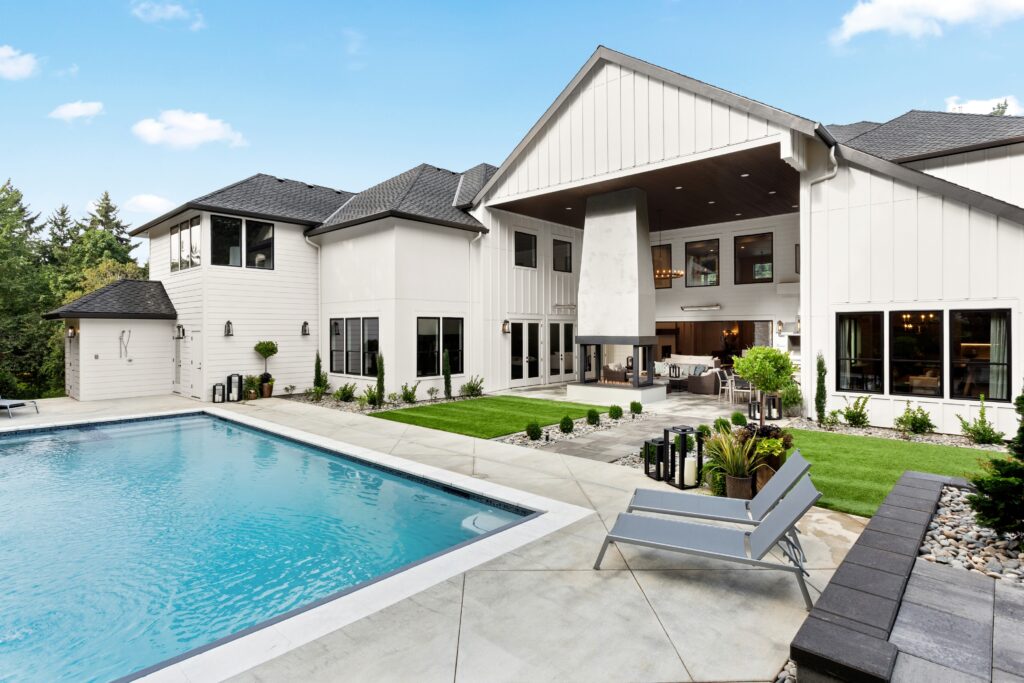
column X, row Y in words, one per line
column 305, row 329
column 229, row 329
column 668, row 273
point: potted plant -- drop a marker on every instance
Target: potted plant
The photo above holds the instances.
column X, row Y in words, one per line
column 251, row 386
column 771, row 443
column 768, row 370
column 266, row 349
column 734, row 460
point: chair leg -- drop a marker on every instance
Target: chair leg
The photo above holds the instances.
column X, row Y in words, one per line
column 803, row 589
column 600, row 555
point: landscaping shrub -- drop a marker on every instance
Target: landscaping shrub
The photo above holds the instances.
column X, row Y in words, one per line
column 371, row 397
column 691, row 443
column 738, row 419
column 767, row 369
column 593, row 417
column 615, row 412
column 998, row 502
column 980, row 430
column 831, row 420
column 792, row 400
column 432, row 393
column 393, row 397
column 473, row 388
column 769, row 432
column 566, row 425
column 635, row 407
column 533, row 431
column 820, row 392
column 446, row 371
column 705, row 430
column 723, row 425
column 345, row 393
column 856, row 413
column 914, row 421
column 290, row 389
column 409, row 393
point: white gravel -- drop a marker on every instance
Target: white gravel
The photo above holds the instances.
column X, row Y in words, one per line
column 553, row 434
column 883, row 433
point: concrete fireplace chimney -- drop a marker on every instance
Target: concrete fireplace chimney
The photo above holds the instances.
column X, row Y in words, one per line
column 616, row 295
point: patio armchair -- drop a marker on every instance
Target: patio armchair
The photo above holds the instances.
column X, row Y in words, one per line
column 724, row 385
column 7, row 404
column 725, row 543
column 741, row 386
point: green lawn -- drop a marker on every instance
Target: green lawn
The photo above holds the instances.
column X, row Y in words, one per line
column 489, row 416
column 855, row 473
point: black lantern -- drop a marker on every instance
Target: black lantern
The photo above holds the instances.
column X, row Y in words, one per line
column 234, row 388
column 179, row 331
column 229, row 329
column 506, row 327
column 218, row 392
column 305, row 329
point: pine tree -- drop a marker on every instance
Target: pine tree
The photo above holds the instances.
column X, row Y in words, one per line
column 999, row 499
column 63, row 231
column 446, row 370
column 820, row 393
column 104, row 217
column 380, row 379
column 1000, row 109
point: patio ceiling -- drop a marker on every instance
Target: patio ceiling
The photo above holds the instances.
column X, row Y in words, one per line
column 749, row 184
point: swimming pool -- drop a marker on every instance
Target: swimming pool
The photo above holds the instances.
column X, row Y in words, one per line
column 125, row 545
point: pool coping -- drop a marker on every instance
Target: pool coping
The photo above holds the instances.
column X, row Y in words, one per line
column 258, row 644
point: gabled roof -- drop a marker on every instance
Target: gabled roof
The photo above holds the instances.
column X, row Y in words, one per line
column 133, row 299
column 424, row 193
column 264, row 196
column 922, row 134
column 472, row 181
column 841, row 132
column 604, row 54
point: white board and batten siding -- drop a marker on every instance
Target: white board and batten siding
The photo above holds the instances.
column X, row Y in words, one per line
column 618, row 120
column 123, row 358
column 878, row 244
column 996, row 171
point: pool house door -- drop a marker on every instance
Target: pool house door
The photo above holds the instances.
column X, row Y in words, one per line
column 195, row 375
column 561, row 356
column 526, row 354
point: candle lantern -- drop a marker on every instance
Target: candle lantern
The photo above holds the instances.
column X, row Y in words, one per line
column 218, row 392
column 690, row 468
column 234, row 388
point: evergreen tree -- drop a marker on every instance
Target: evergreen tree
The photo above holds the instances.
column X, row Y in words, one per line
column 446, row 370
column 820, row 393
column 104, row 217
column 380, row 379
column 63, row 231
column 999, row 499
column 1000, row 109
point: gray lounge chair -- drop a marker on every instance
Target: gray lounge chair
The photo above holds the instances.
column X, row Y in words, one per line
column 725, row 543
column 7, row 404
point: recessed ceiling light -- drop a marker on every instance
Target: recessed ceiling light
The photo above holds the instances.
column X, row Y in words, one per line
column 568, row 208
column 739, row 214
column 679, row 187
column 711, row 202
column 771, row 191
column 796, row 206
column 744, row 175
column 743, row 246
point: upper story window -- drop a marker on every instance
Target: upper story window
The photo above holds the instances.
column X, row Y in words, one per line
column 259, row 245
column 661, row 259
column 753, row 258
column 225, row 241
column 526, row 249
column 185, row 240
column 561, row 256
column 859, row 352
column 979, row 354
column 915, row 358
column 702, row 263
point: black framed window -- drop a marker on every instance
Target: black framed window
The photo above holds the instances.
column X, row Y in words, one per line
column 175, row 242
column 526, row 249
column 225, row 241
column 337, row 345
column 371, row 346
column 661, row 259
column 561, row 256
column 259, row 245
column 196, row 240
column 702, row 263
column 428, row 347
column 979, row 354
column 353, row 346
column 451, row 341
column 860, row 352
column 915, row 353
column 184, row 246
column 753, row 258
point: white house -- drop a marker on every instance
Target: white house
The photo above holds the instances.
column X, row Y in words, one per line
column 645, row 214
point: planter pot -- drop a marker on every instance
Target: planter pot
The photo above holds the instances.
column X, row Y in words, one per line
column 267, row 390
column 738, row 487
column 251, row 395
column 762, row 475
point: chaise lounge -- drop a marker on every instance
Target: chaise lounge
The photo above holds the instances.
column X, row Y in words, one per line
column 7, row 404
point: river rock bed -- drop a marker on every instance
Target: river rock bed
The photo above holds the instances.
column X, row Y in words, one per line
column 552, row 434
column 884, row 433
column 955, row 539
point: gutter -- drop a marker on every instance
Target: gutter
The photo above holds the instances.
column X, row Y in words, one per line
column 827, row 138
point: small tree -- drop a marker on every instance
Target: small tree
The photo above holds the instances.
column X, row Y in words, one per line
column 999, row 500
column 319, row 376
column 380, row 377
column 819, row 392
column 767, row 369
column 446, row 370
column 266, row 349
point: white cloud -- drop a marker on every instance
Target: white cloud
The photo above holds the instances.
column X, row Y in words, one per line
column 77, row 110
column 15, row 64
column 70, row 72
column 1013, row 106
column 148, row 204
column 186, row 130
column 354, row 44
column 920, row 18
column 155, row 12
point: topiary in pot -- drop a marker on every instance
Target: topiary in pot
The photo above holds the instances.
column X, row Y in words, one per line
column 768, row 369
column 266, row 349
column 566, row 425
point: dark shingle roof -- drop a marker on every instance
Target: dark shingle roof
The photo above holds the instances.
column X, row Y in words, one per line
column 471, row 183
column 141, row 299
column 424, row 193
column 920, row 134
column 842, row 132
column 264, row 196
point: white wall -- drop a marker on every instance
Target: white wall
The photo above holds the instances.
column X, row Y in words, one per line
column 881, row 245
column 997, row 171
column 72, row 376
column 617, row 120
column 108, row 370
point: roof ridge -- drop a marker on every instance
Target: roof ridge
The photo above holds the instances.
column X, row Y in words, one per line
column 956, row 113
column 228, row 187
column 412, row 182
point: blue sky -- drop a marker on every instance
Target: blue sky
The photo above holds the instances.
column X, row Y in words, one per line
column 159, row 102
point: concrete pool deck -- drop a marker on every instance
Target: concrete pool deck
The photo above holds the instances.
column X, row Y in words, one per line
column 540, row 612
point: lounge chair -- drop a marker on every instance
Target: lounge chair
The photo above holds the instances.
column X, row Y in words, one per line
column 725, row 543
column 7, row 404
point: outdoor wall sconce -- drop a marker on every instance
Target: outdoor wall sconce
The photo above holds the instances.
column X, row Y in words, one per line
column 229, row 329
column 778, row 327
column 798, row 324
column 305, row 329
column 336, row 327
column 179, row 331
column 71, row 333
column 506, row 327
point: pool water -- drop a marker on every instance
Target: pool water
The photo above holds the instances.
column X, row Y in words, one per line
column 124, row 545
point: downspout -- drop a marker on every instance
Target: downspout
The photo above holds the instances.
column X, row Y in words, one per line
column 319, row 289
